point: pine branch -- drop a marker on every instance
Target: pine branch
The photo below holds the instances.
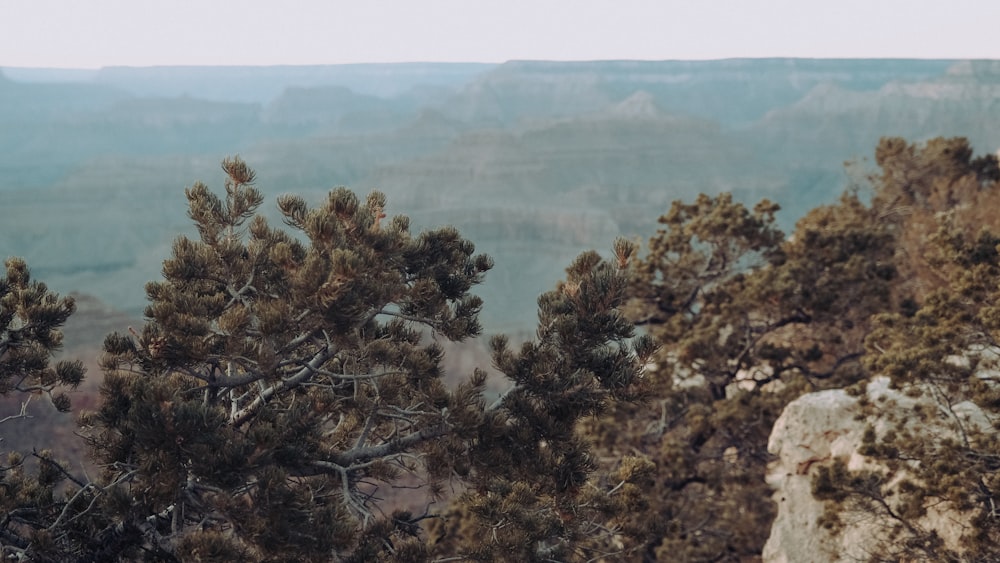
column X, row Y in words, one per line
column 361, row 455
column 22, row 414
column 243, row 415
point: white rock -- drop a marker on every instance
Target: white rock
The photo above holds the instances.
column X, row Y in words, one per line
column 817, row 429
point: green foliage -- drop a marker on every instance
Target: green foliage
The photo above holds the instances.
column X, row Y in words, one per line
column 536, row 493
column 940, row 349
column 281, row 379
column 918, row 183
column 747, row 320
column 286, row 380
column 31, row 317
column 946, row 352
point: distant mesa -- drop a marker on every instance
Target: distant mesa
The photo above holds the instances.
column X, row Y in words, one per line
column 981, row 70
column 640, row 105
column 105, row 154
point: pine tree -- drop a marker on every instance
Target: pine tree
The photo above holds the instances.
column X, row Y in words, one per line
column 746, row 321
column 943, row 348
column 285, row 379
column 537, row 493
column 31, row 317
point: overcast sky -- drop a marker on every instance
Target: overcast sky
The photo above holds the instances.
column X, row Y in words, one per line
column 95, row 33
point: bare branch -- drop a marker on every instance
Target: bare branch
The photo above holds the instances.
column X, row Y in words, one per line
column 22, row 414
column 300, row 377
column 360, row 455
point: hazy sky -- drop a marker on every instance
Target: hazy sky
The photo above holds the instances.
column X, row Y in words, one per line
column 95, row 33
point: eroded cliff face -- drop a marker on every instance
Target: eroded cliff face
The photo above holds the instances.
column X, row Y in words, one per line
column 732, row 91
column 535, row 161
column 821, row 429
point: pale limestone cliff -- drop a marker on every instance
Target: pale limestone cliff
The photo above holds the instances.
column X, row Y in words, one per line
column 819, row 428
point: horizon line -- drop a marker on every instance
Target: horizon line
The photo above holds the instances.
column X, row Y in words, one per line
column 472, row 62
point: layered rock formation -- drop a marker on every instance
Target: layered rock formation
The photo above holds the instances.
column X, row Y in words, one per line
column 564, row 155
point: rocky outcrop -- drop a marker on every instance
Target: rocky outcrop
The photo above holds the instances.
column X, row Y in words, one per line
column 732, row 91
column 820, row 429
